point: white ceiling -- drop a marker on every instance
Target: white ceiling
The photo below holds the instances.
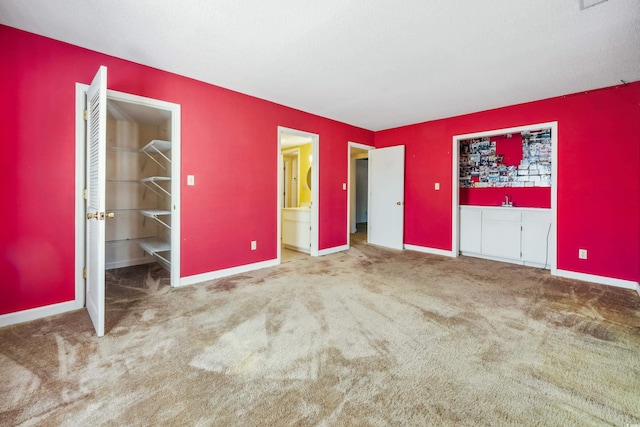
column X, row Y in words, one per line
column 371, row 63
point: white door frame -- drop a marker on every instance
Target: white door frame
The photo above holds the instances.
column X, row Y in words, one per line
column 176, row 178
column 315, row 184
column 455, row 190
column 351, row 181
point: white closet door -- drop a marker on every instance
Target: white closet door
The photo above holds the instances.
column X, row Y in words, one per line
column 386, row 197
column 95, row 206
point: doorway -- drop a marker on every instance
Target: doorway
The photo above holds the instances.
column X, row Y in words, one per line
column 358, row 189
column 128, row 187
column 298, row 191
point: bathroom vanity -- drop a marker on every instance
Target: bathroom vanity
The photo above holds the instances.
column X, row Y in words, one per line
column 296, row 233
column 505, row 233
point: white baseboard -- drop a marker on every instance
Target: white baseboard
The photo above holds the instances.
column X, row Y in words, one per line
column 333, row 250
column 38, row 313
column 610, row 281
column 427, row 250
column 199, row 278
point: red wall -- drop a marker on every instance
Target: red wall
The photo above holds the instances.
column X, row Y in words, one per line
column 229, row 142
column 598, row 175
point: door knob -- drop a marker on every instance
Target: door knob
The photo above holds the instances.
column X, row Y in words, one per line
column 91, row 216
column 111, row 215
column 398, row 203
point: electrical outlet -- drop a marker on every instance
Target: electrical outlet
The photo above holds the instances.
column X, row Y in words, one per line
column 254, row 245
column 582, row 253
column 437, row 186
column 191, row 180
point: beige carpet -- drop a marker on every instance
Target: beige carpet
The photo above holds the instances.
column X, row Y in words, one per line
column 366, row 337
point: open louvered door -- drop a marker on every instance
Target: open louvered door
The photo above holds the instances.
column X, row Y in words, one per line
column 95, row 205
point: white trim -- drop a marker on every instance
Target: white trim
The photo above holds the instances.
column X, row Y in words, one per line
column 40, row 312
column 610, row 281
column 333, row 250
column 351, row 160
column 507, row 260
column 427, row 250
column 638, row 289
column 315, row 191
column 455, row 203
column 212, row 275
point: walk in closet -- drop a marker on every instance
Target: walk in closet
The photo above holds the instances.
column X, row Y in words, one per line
column 138, row 185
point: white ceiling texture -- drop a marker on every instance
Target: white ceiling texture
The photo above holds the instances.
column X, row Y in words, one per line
column 376, row 64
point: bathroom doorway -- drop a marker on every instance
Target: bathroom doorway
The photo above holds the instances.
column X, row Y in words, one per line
column 298, row 161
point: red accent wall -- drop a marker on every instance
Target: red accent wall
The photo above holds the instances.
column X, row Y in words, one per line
column 229, row 142
column 598, row 181
column 521, row 197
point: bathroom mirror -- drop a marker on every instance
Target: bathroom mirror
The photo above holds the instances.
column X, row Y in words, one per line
column 309, row 178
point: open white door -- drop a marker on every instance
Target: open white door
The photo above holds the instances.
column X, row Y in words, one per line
column 95, row 205
column 386, row 197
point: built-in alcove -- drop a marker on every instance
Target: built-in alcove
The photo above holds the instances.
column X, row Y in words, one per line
column 504, row 195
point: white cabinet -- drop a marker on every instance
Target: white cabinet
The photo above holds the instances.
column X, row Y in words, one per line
column 296, row 234
column 536, row 229
column 470, row 230
column 500, row 233
column 517, row 235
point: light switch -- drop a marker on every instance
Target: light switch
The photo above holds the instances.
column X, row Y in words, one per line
column 437, row 186
column 344, row 185
column 191, row 180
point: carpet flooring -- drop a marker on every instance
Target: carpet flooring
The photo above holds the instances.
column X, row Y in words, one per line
column 366, row 337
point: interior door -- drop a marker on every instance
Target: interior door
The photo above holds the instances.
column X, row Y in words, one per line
column 95, row 206
column 386, row 197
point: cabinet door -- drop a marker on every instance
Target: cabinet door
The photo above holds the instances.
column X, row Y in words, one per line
column 501, row 233
column 536, row 228
column 470, row 230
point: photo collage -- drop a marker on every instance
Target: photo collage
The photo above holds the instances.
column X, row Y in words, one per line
column 482, row 166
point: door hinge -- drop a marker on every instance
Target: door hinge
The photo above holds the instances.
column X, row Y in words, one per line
column 84, row 273
column 85, row 194
column 85, row 114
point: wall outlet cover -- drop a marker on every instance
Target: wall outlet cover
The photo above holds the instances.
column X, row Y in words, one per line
column 582, row 253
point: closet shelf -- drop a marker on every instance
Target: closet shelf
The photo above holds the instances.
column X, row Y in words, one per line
column 155, row 213
column 152, row 184
column 154, row 247
column 157, row 146
column 122, row 149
